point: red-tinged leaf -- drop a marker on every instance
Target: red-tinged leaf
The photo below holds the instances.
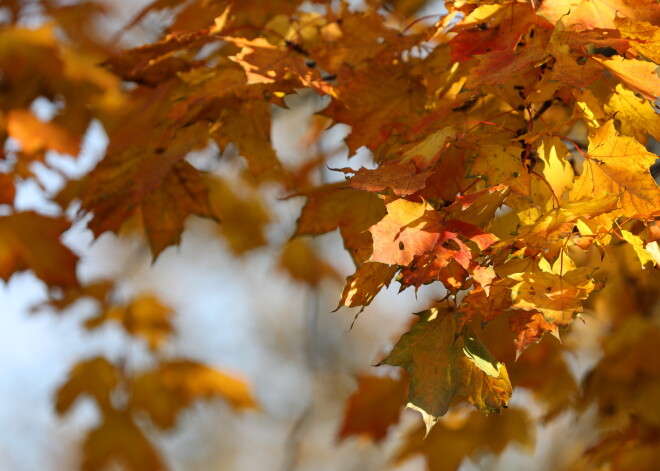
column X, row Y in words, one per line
column 31, row 241
column 486, row 303
column 96, row 377
column 119, row 441
column 36, row 136
column 363, row 285
column 374, row 407
column 443, row 362
column 440, row 266
column 529, row 327
column 497, row 67
column 416, row 229
column 162, row 393
column 403, row 180
column 502, row 31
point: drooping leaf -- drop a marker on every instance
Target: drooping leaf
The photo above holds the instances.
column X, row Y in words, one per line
column 443, row 363
column 362, row 286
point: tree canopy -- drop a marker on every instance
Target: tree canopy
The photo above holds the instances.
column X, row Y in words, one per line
column 510, row 142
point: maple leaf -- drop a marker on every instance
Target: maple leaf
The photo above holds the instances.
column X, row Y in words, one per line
column 264, row 62
column 329, row 207
column 403, row 180
column 31, row 241
column 646, row 36
column 243, row 218
column 443, row 363
column 640, row 76
column 362, row 286
column 302, row 262
column 362, row 419
column 118, row 440
column 488, row 302
column 502, row 165
column 145, row 316
column 96, row 377
column 619, row 165
column 529, row 327
column 456, row 438
column 415, row 229
column 636, row 116
column 35, row 135
column 175, row 384
column 558, row 296
column 627, row 378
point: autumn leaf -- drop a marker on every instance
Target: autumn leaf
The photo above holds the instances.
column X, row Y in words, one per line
column 264, row 62
column 640, row 76
column 362, row 286
column 162, row 393
column 646, row 36
column 35, row 135
column 443, row 363
column 529, row 327
column 329, row 207
column 361, row 418
column 558, row 296
column 301, row 261
column 502, row 165
column 243, row 217
column 118, row 440
column 619, row 165
column 636, row 115
column 31, row 241
column 96, row 377
column 145, row 316
column 454, row 439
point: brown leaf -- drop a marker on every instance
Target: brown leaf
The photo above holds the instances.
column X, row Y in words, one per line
column 374, row 407
column 118, row 440
column 31, row 241
column 454, row 439
column 96, row 377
